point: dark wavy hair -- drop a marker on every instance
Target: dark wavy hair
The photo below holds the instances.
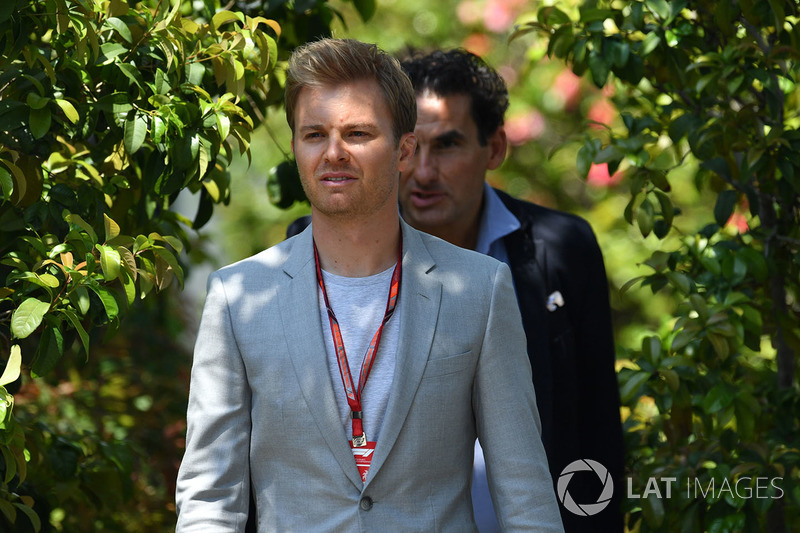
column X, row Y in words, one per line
column 457, row 71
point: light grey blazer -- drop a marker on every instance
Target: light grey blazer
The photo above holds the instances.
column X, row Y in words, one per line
column 262, row 409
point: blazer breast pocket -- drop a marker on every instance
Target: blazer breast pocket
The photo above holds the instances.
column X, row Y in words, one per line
column 451, row 364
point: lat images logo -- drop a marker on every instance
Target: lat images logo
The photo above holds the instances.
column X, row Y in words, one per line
column 584, row 509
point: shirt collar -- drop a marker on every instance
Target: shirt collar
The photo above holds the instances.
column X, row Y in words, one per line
column 496, row 221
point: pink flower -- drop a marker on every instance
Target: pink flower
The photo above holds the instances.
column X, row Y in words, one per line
column 739, row 222
column 599, row 177
column 468, row 12
column 477, row 43
column 498, row 16
column 567, row 88
column 523, row 128
column 602, row 111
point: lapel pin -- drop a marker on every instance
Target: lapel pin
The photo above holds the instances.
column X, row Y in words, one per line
column 554, row 301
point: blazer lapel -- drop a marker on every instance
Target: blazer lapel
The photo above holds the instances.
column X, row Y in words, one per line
column 418, row 307
column 303, row 331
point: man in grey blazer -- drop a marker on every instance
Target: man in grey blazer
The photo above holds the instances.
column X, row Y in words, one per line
column 344, row 374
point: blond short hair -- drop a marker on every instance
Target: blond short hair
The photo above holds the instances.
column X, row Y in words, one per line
column 333, row 61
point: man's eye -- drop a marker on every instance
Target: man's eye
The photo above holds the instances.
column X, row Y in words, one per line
column 442, row 145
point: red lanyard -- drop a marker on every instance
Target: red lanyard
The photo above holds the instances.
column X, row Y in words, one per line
column 354, row 395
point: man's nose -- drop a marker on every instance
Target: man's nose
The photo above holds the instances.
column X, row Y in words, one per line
column 335, row 149
column 423, row 166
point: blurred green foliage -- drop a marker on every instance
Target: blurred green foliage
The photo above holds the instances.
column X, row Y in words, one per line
column 713, row 394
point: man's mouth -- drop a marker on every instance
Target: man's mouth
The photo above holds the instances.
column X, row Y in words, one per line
column 426, row 198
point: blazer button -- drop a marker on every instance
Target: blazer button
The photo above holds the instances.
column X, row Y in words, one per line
column 365, row 503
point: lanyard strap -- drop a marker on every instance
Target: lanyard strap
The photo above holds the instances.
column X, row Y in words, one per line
column 353, row 393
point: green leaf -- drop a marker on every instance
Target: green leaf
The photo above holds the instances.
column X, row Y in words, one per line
column 584, row 160
column 224, row 126
column 599, row 67
column 107, row 299
column 683, row 338
column 718, row 398
column 135, row 132
column 111, row 227
column 723, row 209
column 644, row 217
column 653, row 511
column 194, row 73
column 109, row 51
column 76, row 323
column 132, row 73
column 162, row 84
column 51, row 348
column 40, row 120
column 35, row 101
column 224, row 17
column 28, row 316
column 69, row 110
column 660, row 8
column 36, row 522
column 667, row 210
column 6, row 9
column 72, row 218
column 650, row 43
column 631, row 386
column 128, row 285
column 365, row 8
column 552, row 16
column 171, row 260
column 110, row 261
column 651, row 348
column 128, row 261
column 11, row 372
column 49, row 280
column 121, row 28
column 10, row 462
column 561, row 42
column 6, row 184
column 679, row 281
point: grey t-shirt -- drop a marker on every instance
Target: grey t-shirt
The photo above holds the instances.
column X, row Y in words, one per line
column 359, row 305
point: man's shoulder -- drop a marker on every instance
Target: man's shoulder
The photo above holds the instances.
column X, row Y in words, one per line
column 546, row 222
column 265, row 263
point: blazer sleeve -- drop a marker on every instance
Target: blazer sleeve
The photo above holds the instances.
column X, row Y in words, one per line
column 508, row 421
column 213, row 483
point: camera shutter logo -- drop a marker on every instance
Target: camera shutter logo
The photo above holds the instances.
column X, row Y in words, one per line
column 584, row 509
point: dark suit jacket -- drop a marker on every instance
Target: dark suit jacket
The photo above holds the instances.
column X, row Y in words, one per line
column 573, row 371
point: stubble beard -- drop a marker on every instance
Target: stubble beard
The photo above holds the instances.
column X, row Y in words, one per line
column 351, row 204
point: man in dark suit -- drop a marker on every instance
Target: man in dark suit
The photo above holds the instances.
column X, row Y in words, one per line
column 556, row 265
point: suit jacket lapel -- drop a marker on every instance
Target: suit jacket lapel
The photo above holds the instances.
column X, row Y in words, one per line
column 303, row 330
column 418, row 308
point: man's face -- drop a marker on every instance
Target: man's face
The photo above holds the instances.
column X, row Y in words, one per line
column 442, row 190
column 346, row 153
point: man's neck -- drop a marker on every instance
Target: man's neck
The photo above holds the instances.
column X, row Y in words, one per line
column 354, row 248
column 463, row 236
column 462, row 233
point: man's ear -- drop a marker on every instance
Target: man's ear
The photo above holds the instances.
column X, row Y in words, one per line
column 408, row 145
column 497, row 142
